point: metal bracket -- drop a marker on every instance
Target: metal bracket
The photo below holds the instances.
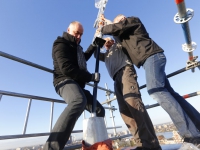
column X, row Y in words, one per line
column 189, row 48
column 188, row 17
column 192, row 64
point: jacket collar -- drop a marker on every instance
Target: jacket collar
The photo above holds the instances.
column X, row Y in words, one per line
column 70, row 38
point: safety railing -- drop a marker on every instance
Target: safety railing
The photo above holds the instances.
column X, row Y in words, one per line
column 107, row 101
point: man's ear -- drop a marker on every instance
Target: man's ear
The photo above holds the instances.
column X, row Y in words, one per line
column 68, row 29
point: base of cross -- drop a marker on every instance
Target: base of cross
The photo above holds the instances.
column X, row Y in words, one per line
column 104, row 145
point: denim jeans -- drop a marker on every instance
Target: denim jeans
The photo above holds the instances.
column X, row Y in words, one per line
column 132, row 109
column 78, row 100
column 160, row 89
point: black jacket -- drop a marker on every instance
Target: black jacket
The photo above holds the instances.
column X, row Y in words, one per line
column 65, row 61
column 134, row 38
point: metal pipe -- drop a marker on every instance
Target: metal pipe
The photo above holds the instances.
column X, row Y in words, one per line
column 1, row 96
column 100, row 88
column 111, row 108
column 106, row 101
column 176, row 72
column 36, row 66
column 38, row 134
column 27, row 116
column 191, row 94
column 31, row 96
column 105, row 121
column 111, row 111
column 51, row 116
column 40, row 67
column 184, row 96
column 183, row 16
column 25, row 62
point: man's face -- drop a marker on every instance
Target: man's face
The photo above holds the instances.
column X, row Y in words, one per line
column 76, row 30
column 109, row 43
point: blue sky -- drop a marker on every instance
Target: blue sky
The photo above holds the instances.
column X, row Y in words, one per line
column 28, row 29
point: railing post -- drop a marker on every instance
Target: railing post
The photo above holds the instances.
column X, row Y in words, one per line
column 183, row 17
column 105, row 121
column 51, row 116
column 111, row 111
column 27, row 115
column 1, row 96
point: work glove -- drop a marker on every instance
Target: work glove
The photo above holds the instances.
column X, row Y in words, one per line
column 95, row 77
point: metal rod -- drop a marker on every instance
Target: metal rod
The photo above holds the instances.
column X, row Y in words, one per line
column 106, row 101
column 183, row 15
column 38, row 98
column 40, row 67
column 38, row 134
column 51, row 116
column 1, row 96
column 174, row 73
column 84, row 115
column 184, row 96
column 36, row 66
column 105, row 121
column 31, row 96
column 100, row 88
column 111, row 108
column 95, row 83
column 27, row 116
column 191, row 94
column 25, row 62
column 111, row 111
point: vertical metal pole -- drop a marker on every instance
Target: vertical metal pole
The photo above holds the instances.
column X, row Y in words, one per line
column 111, row 111
column 183, row 16
column 95, row 83
column 84, row 115
column 105, row 121
column 27, row 116
column 0, row 96
column 51, row 116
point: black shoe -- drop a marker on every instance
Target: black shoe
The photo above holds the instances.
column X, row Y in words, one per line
column 195, row 141
column 157, row 148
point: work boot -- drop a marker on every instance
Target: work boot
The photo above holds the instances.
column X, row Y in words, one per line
column 193, row 140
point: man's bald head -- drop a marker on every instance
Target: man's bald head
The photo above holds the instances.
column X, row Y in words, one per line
column 119, row 18
column 75, row 29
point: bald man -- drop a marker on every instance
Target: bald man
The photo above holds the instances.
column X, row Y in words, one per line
column 145, row 52
column 70, row 76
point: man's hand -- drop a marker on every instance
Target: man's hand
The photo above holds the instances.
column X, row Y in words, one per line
column 95, row 77
column 101, row 22
column 97, row 32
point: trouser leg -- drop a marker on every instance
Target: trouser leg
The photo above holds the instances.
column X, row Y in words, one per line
column 133, row 110
column 193, row 114
column 155, row 76
column 100, row 111
column 76, row 100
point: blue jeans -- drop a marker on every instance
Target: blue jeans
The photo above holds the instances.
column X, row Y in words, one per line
column 159, row 88
column 78, row 99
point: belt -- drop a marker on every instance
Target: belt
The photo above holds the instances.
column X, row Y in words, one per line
column 114, row 77
column 60, row 84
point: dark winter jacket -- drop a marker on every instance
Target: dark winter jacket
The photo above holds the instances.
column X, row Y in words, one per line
column 134, row 38
column 65, row 60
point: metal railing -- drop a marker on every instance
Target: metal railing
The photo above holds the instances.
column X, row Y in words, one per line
column 107, row 101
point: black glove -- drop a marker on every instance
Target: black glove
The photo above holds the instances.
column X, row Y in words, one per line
column 95, row 77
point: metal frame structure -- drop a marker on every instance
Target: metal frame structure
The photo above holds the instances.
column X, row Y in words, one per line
column 183, row 17
column 107, row 101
